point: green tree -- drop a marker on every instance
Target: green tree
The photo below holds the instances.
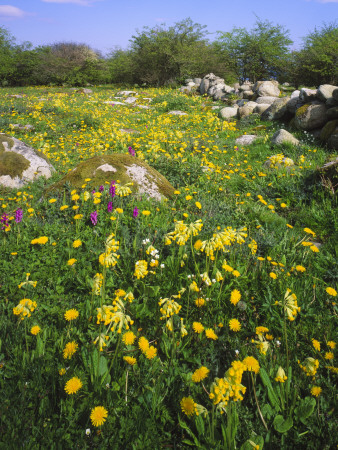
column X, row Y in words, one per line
column 257, row 54
column 7, row 45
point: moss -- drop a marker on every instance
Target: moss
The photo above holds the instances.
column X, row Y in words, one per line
column 13, row 164
column 120, row 162
column 302, row 110
column 328, row 129
column 8, row 140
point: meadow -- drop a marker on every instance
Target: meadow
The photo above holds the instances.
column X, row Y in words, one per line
column 205, row 320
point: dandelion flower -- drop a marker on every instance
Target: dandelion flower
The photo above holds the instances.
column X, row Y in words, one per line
column 300, row 269
column 143, row 344
column 234, row 325
column 188, row 406
column 210, row 334
column 273, row 275
column 252, row 365
column 199, row 302
column 331, row 291
column 77, row 243
column 200, row 374
column 71, row 262
column 316, row 344
column 73, row 385
column 130, row 360
column 316, row 391
column 129, row 338
column 329, row 355
column 98, row 416
column 261, row 330
column 151, row 352
column 198, row 327
column 235, row 296
column 71, row 314
column 35, row 330
column 236, row 274
column 70, row 349
column 331, row 344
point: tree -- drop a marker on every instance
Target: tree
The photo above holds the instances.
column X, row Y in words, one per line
column 7, row 44
column 257, row 54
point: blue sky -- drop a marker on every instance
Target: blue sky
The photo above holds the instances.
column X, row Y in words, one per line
column 104, row 24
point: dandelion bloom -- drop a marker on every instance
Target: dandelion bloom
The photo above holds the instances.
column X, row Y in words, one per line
column 235, row 297
column 130, row 360
column 129, row 338
column 198, row 205
column 272, row 275
column 316, row 391
column 98, row 416
column 316, row 344
column 236, row 274
column 35, row 330
column 281, row 377
column 143, row 344
column 200, row 374
column 73, row 385
column 41, row 240
column 146, row 213
column 261, row 330
column 308, row 231
column 331, row 291
column 71, row 261
column 314, row 248
column 329, row 356
column 52, row 200
column 234, row 325
column 77, row 243
column 71, row 314
column 331, row 344
column 188, row 406
column 252, row 365
column 199, row 302
column 70, row 349
column 78, row 216
column 300, row 269
column 151, row 352
column 63, row 207
column 62, row 371
column 198, row 327
column 210, row 334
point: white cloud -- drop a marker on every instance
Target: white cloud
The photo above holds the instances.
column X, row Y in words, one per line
column 11, row 11
column 76, row 2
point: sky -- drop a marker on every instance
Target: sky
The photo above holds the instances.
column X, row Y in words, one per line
column 108, row 24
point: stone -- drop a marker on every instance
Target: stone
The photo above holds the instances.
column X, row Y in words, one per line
column 127, row 93
column 130, row 100
column 310, row 116
column 267, row 88
column 261, row 107
column 144, row 106
column 20, row 164
column 129, row 131
column 246, row 139
column 282, row 136
column 293, row 105
column 335, row 94
column 126, row 168
column 18, row 126
column 197, row 81
column 332, row 113
column 228, row 113
column 15, row 96
column 113, row 102
column 85, row 91
column 245, row 87
column 307, row 95
column 324, row 92
column 247, row 109
column 204, row 86
column 328, row 130
column 265, row 100
column 331, row 102
column 185, row 89
column 178, row 113
column 242, row 102
column 248, row 94
column 277, row 110
column 295, row 94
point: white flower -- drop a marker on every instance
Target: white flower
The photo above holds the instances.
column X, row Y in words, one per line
column 162, row 266
column 88, row 431
column 237, row 352
column 278, row 343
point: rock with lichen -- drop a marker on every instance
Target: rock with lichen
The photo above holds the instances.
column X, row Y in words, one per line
column 20, row 164
column 124, row 168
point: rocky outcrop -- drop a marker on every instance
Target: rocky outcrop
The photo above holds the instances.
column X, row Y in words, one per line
column 282, row 137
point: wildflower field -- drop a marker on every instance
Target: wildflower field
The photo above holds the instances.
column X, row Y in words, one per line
column 205, row 320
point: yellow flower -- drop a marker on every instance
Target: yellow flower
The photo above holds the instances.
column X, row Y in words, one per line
column 146, row 213
column 234, row 325
column 235, row 273
column 329, row 355
column 281, row 377
column 300, row 269
column 62, row 371
column 119, row 210
column 71, row 261
column 52, row 200
column 235, row 296
column 130, row 360
column 77, row 243
column 70, row 349
column 210, row 334
column 316, row 344
column 310, row 366
column 73, row 385
column 71, row 314
column 199, row 302
column 98, row 416
column 141, row 269
column 308, row 231
column 78, row 216
column 198, row 327
column 316, row 391
column 151, row 352
column 331, row 291
column 331, row 344
column 41, row 240
column 314, row 248
column 35, row 330
column 199, row 206
column 188, row 406
column 24, row 308
column 75, row 197
column 143, row 344
column 273, row 275
column 63, row 207
column 129, row 338
column 200, row 374
column 252, row 365
column 261, row 330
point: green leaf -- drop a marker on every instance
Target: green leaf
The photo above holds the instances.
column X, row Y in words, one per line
column 271, row 392
column 282, row 425
column 305, row 409
column 251, row 443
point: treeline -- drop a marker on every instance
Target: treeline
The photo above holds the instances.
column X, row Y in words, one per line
column 167, row 55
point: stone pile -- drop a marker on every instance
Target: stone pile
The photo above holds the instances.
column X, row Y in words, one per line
column 313, row 110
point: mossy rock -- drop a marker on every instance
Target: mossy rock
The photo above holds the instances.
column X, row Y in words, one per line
column 20, row 164
column 122, row 167
column 328, row 129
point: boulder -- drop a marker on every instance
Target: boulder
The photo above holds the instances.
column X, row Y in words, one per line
column 328, row 130
column 126, row 168
column 130, row 100
column 246, row 139
column 247, row 109
column 282, row 136
column 204, row 86
column 245, row 87
column 266, row 100
column 295, row 94
column 248, row 94
column 177, row 113
column 127, row 93
column 335, row 94
column 332, row 113
column 228, row 113
column 310, row 116
column 197, row 81
column 277, row 110
column 324, row 92
column 293, row 105
column 185, row 89
column 307, row 95
column 331, row 102
column 85, row 91
column 261, row 107
column 20, row 164
column 267, row 89
column 242, row 102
